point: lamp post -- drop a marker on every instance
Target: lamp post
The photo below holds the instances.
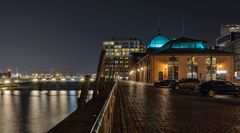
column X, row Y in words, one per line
column 166, row 70
column 220, row 71
column 211, row 69
column 172, row 60
column 192, row 60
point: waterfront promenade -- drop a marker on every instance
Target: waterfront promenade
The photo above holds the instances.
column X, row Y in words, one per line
column 159, row 110
column 141, row 108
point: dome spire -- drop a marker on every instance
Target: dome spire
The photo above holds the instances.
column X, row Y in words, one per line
column 159, row 27
column 183, row 25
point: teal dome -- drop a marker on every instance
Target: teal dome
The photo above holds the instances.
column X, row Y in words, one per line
column 158, row 42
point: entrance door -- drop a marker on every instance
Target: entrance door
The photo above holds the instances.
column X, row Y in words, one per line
column 160, row 76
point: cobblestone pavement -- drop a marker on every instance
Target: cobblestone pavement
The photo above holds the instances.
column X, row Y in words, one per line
column 159, row 110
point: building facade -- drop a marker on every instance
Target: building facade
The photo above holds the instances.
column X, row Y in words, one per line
column 226, row 29
column 118, row 56
column 230, row 41
column 184, row 58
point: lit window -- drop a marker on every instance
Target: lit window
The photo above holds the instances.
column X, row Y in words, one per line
column 214, row 61
column 192, row 60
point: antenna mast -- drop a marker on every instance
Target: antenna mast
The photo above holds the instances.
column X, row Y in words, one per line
column 159, row 26
column 183, row 25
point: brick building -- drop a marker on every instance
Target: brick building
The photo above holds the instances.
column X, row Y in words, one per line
column 184, row 58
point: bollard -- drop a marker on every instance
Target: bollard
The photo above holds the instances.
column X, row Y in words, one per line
column 84, row 92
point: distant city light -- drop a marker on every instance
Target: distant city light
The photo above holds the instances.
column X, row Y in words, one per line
column 35, row 80
column 82, row 79
column 73, row 79
column 63, row 79
column 7, row 81
column 16, row 81
column 53, row 79
column 44, row 79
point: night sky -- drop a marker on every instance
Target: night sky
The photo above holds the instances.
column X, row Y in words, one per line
column 40, row 35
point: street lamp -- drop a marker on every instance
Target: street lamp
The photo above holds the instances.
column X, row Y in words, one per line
column 192, row 63
column 220, row 66
column 166, row 70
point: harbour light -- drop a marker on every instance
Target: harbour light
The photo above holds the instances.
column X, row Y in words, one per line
column 35, row 80
column 7, row 81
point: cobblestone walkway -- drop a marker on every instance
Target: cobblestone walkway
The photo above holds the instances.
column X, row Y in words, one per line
column 144, row 109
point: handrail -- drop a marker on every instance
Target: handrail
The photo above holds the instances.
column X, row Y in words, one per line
column 98, row 123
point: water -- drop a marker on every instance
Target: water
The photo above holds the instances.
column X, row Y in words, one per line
column 34, row 111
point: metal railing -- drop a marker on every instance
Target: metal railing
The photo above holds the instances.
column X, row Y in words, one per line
column 104, row 121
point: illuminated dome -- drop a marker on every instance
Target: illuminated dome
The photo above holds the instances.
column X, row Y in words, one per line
column 158, row 41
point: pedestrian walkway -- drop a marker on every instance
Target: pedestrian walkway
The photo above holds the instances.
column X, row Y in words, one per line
column 141, row 108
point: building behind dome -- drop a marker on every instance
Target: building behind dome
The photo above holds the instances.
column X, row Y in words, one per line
column 118, row 56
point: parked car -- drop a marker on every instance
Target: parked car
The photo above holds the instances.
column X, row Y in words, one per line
column 187, row 83
column 163, row 83
column 211, row 88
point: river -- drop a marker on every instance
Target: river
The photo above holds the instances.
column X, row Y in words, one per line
column 34, row 111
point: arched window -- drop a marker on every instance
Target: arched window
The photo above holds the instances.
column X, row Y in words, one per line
column 192, row 67
column 211, row 68
column 173, row 68
column 214, row 61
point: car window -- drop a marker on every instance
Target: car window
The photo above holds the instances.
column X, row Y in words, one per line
column 189, row 80
column 220, row 83
column 228, row 83
column 181, row 80
column 193, row 80
column 214, row 83
column 196, row 80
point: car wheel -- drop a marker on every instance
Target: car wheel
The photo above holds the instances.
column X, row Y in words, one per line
column 211, row 93
column 177, row 87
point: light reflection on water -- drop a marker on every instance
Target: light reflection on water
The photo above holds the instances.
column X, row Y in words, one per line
column 35, row 111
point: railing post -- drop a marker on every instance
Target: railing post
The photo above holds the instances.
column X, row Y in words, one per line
column 84, row 92
column 104, row 129
column 99, row 72
column 104, row 121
